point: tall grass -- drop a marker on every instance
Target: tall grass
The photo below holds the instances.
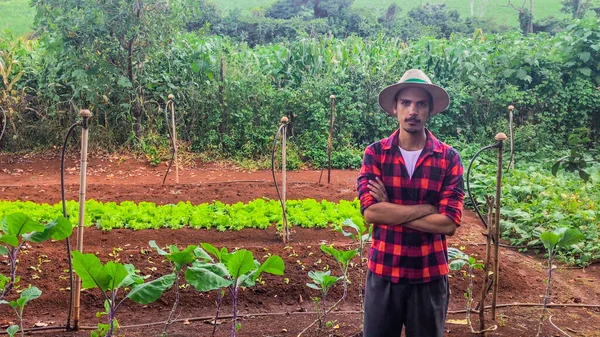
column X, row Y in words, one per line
column 16, row 16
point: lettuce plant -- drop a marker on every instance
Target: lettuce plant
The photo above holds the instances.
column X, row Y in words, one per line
column 111, row 278
column 230, row 271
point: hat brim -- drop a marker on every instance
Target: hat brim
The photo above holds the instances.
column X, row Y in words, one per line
column 439, row 96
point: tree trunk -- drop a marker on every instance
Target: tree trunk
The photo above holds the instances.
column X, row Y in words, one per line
column 530, row 28
column 223, row 123
column 472, row 13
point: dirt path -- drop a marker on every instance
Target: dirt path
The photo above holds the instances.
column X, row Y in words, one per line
column 36, row 178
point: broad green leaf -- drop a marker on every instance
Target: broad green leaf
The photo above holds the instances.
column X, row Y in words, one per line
column 570, row 237
column 15, row 225
column 549, row 239
column 454, row 253
column 336, row 254
column 205, row 280
column 183, row 257
column 58, row 229
column 91, row 271
column 149, row 292
column 314, row 286
column 3, row 281
column 12, row 330
column 27, row 295
column 159, row 250
column 240, row 262
column 273, row 265
column 117, row 273
column 211, row 250
column 457, row 264
column 202, row 254
column 3, row 250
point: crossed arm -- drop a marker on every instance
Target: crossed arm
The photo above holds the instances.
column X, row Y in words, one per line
column 422, row 217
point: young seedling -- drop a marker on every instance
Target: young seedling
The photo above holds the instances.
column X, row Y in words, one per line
column 16, row 229
column 343, row 258
column 111, row 278
column 323, row 281
column 458, row 260
column 231, row 271
column 553, row 241
column 179, row 260
column 27, row 295
column 362, row 236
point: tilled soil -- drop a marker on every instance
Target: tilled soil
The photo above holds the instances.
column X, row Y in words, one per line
column 278, row 306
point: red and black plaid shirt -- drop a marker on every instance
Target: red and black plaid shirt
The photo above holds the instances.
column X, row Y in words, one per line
column 398, row 253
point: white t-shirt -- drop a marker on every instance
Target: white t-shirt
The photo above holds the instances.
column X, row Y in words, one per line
column 410, row 159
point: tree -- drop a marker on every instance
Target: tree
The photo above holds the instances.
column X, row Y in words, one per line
column 111, row 40
column 525, row 16
column 578, row 8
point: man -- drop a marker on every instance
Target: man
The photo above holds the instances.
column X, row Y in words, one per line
column 411, row 190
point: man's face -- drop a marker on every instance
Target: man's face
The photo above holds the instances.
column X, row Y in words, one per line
column 412, row 109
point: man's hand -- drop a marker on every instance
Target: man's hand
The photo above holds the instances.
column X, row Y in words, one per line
column 378, row 190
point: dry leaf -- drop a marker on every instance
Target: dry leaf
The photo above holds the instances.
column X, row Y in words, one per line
column 457, row 321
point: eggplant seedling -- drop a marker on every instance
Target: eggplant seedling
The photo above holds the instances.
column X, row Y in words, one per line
column 323, row 281
column 231, row 271
column 16, row 229
column 553, row 241
column 27, row 295
column 458, row 260
column 362, row 236
column 179, row 260
column 112, row 277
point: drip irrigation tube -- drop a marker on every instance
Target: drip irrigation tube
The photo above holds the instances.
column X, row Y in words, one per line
column 469, row 187
column 64, row 208
column 4, row 122
column 287, row 313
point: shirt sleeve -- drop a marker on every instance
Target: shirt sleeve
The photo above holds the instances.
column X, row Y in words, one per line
column 453, row 194
column 369, row 170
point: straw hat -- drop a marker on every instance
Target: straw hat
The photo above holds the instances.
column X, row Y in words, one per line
column 414, row 78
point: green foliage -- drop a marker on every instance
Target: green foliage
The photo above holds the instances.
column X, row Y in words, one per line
column 322, row 280
column 18, row 306
column 115, row 276
column 260, row 213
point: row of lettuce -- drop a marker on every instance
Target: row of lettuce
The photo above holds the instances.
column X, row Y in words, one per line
column 532, row 201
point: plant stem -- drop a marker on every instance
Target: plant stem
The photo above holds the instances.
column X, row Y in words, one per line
column 220, row 300
column 550, row 256
column 12, row 258
column 169, row 321
column 234, row 292
column 20, row 314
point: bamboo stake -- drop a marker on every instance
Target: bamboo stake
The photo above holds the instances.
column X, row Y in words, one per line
column 511, row 163
column 85, row 115
column 330, row 144
column 486, row 266
column 171, row 97
column 286, row 232
column 501, row 137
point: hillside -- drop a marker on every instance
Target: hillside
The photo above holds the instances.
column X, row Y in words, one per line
column 17, row 15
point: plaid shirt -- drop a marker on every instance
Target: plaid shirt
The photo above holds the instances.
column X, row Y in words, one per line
column 400, row 254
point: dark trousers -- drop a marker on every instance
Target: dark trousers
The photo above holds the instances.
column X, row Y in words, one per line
column 389, row 307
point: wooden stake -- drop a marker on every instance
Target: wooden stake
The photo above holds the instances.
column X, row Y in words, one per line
column 486, row 266
column 171, row 97
column 85, row 115
column 330, row 144
column 501, row 137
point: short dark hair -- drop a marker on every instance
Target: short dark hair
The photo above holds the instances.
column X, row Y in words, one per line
column 428, row 95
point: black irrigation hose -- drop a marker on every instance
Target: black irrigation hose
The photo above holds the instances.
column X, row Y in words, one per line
column 64, row 207
column 4, row 122
column 172, row 143
column 469, row 187
column 273, row 172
